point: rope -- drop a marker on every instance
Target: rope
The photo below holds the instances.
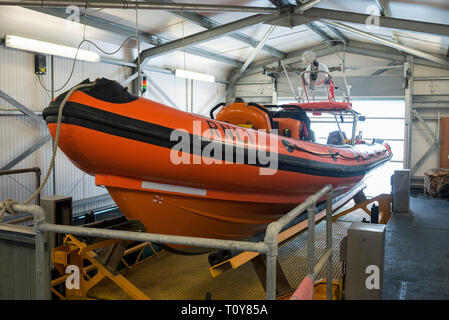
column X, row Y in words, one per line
column 8, row 109
column 55, row 146
column 9, row 203
column 7, row 207
column 290, row 146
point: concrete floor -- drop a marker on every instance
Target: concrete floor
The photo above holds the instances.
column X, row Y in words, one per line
column 417, row 251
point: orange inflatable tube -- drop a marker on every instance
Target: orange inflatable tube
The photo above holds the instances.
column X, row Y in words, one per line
column 189, row 175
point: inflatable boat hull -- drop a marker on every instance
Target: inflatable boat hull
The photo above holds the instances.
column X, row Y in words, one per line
column 133, row 149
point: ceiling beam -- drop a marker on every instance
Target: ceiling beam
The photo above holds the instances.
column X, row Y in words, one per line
column 310, row 25
column 380, row 71
column 382, row 52
column 293, row 57
column 250, row 59
column 142, row 5
column 237, row 74
column 360, row 18
column 319, row 32
column 206, row 35
column 222, row 30
column 338, row 34
column 424, row 55
column 384, row 11
column 354, row 47
column 125, row 31
column 374, row 50
column 392, row 65
column 209, row 23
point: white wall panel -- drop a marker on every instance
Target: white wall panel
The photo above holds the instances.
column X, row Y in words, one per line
column 205, row 94
column 420, row 139
column 423, row 71
column 421, row 142
column 358, row 76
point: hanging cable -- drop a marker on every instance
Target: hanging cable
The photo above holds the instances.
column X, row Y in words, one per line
column 184, row 56
column 8, row 203
column 289, row 82
column 139, row 78
column 76, row 55
column 42, row 85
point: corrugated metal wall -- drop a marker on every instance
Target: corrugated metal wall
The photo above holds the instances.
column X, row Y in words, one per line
column 431, row 101
column 18, row 264
column 18, row 132
column 205, row 94
column 388, row 84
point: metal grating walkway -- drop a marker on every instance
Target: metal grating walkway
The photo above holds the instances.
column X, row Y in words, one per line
column 175, row 277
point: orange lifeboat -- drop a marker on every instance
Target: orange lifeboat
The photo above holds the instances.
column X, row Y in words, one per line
column 184, row 174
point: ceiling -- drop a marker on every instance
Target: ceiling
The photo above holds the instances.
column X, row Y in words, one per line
column 26, row 22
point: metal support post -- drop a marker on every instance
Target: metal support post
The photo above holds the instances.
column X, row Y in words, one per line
column 311, row 240
column 329, row 244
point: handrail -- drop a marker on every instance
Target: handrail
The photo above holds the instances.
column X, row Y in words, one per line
column 272, row 234
column 313, row 269
column 269, row 246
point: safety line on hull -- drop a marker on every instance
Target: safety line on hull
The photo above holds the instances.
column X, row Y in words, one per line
column 173, row 188
column 114, row 124
column 291, row 146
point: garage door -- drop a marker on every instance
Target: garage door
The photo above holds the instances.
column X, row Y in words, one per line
column 384, row 120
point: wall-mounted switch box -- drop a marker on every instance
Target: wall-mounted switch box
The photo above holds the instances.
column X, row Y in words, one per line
column 40, row 64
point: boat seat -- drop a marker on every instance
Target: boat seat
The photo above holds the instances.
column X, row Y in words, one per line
column 246, row 115
column 335, row 138
column 292, row 128
column 289, row 127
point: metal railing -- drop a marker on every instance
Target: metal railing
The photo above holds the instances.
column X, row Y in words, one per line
column 271, row 239
column 314, row 269
column 269, row 246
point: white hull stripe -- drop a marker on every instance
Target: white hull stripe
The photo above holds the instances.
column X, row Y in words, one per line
column 172, row 188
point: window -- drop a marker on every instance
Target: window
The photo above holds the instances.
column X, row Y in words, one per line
column 384, row 120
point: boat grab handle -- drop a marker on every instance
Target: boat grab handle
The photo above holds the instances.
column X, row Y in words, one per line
column 215, row 108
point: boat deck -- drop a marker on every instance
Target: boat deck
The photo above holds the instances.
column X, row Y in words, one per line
column 172, row 277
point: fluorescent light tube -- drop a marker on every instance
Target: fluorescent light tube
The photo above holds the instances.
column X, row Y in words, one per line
column 194, row 75
column 50, row 48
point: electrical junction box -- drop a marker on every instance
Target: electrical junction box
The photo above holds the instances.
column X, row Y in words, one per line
column 401, row 190
column 58, row 210
column 363, row 253
column 40, row 64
